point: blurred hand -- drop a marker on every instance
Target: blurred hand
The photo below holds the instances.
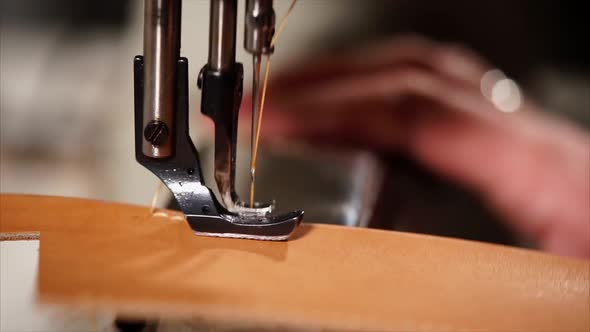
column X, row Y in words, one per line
column 425, row 98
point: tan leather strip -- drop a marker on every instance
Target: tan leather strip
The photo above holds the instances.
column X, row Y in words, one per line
column 106, row 256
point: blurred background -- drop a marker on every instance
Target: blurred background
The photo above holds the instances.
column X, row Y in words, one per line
column 67, row 107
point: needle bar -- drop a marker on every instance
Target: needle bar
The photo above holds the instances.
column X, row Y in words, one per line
column 258, row 103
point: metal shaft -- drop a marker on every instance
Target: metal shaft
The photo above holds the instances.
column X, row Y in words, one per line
column 259, row 26
column 222, row 34
column 161, row 49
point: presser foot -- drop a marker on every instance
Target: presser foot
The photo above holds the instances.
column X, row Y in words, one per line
column 181, row 173
column 267, row 228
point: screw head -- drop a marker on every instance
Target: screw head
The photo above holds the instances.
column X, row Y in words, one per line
column 156, row 132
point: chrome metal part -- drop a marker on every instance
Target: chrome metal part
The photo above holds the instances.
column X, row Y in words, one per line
column 259, row 26
column 222, row 34
column 161, row 49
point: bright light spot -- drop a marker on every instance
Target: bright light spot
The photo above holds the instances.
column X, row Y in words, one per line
column 488, row 80
column 501, row 91
column 506, row 95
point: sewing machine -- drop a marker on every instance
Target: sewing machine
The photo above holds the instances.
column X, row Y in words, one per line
column 162, row 142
